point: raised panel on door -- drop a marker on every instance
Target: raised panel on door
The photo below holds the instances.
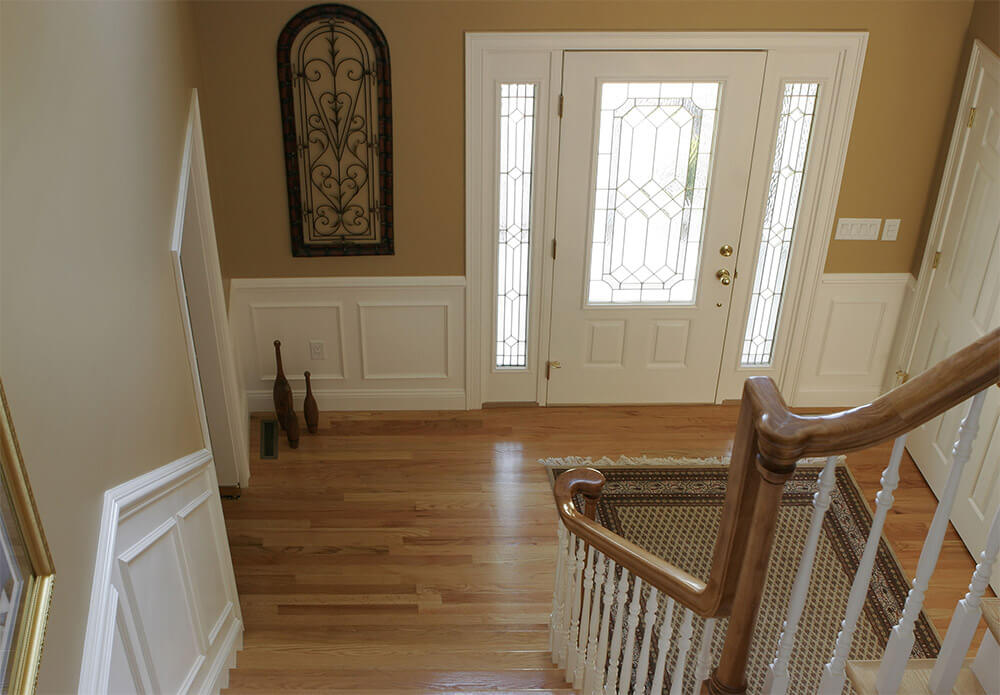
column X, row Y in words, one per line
column 655, row 154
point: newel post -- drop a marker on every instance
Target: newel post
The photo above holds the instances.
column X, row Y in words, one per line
column 770, row 475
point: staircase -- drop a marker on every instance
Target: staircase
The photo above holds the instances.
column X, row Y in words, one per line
column 978, row 676
column 622, row 618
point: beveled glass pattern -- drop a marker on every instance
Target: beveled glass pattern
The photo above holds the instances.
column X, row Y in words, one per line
column 654, row 159
column 516, row 158
column 781, row 213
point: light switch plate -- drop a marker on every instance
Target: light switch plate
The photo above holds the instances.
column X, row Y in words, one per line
column 891, row 230
column 858, row 228
column 317, row 350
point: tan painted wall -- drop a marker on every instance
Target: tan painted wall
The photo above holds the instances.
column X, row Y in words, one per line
column 913, row 52
column 95, row 101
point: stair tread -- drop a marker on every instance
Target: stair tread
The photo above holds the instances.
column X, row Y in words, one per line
column 991, row 612
column 408, row 679
column 916, row 678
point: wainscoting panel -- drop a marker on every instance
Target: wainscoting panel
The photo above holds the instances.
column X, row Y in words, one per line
column 383, row 343
column 850, row 338
column 164, row 614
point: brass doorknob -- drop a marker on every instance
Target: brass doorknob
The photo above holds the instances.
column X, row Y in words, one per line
column 724, row 276
column 726, row 250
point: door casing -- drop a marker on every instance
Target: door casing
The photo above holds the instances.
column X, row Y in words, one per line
column 835, row 59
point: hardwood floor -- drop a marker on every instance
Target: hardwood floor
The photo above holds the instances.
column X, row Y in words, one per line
column 414, row 550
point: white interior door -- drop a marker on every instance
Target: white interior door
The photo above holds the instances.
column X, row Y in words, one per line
column 654, row 162
column 962, row 301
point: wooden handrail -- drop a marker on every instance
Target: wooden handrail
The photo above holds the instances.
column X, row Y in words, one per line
column 768, row 442
column 786, row 437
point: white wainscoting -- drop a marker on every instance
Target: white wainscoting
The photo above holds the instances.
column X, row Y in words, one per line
column 164, row 613
column 391, row 343
column 850, row 338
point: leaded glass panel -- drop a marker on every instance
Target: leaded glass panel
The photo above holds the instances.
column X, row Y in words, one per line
column 654, row 158
column 795, row 124
column 516, row 164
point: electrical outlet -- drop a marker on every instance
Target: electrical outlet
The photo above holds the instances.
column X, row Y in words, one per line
column 891, row 230
column 858, row 229
column 317, row 350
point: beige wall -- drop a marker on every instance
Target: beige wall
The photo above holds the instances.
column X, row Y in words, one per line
column 912, row 56
column 95, row 101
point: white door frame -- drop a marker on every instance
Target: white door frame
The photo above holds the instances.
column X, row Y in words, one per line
column 827, row 164
column 231, row 450
column 910, row 325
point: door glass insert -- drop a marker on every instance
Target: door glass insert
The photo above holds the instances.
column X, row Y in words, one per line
column 798, row 107
column 654, row 157
column 516, row 164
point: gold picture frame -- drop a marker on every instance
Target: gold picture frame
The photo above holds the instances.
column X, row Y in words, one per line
column 21, row 657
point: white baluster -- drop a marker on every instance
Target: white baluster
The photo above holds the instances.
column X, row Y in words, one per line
column 633, row 624
column 704, row 668
column 683, row 647
column 568, row 583
column 579, row 666
column 647, row 638
column 897, row 651
column 572, row 653
column 590, row 666
column 611, row 682
column 600, row 674
column 663, row 646
column 834, row 675
column 776, row 680
column 964, row 622
column 558, row 594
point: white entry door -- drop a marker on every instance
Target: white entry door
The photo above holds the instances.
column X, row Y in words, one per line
column 654, row 161
column 962, row 301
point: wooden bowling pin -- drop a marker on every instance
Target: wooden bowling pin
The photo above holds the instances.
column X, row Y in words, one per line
column 282, row 389
column 291, row 425
column 309, row 407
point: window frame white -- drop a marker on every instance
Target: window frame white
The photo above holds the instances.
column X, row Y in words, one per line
column 833, row 59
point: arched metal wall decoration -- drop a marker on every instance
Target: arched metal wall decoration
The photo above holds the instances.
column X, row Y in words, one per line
column 336, row 118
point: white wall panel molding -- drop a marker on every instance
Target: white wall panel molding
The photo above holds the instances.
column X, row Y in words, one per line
column 164, row 613
column 387, row 342
column 850, row 337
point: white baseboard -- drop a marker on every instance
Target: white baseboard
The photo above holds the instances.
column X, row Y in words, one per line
column 164, row 613
column 850, row 338
column 390, row 343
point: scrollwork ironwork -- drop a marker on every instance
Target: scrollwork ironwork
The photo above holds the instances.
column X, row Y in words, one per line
column 333, row 73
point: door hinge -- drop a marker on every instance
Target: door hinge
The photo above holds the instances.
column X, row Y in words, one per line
column 972, row 115
column 901, row 377
column 553, row 248
column 560, row 108
column 549, row 366
column 937, row 259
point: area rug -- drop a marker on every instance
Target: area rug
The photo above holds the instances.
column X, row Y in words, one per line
column 672, row 507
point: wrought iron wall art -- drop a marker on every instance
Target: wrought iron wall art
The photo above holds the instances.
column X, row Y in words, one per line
column 336, row 115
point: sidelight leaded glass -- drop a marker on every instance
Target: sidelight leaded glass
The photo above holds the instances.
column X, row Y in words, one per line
column 516, row 156
column 795, row 123
column 654, row 158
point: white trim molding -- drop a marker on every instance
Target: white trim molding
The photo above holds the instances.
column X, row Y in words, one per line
column 164, row 612
column 846, row 350
column 834, row 59
column 220, row 401
column 385, row 343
